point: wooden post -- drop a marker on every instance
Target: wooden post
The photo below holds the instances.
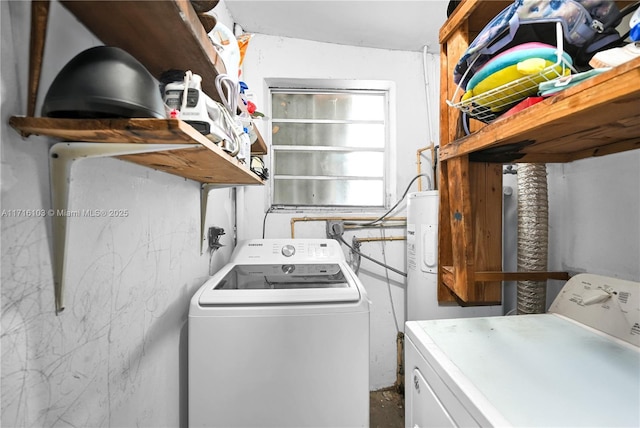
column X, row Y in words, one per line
column 39, row 20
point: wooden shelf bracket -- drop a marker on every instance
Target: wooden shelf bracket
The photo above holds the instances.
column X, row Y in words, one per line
column 62, row 156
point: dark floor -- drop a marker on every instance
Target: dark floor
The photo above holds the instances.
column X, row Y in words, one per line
column 387, row 409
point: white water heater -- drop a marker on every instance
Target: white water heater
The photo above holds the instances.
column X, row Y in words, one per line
column 422, row 264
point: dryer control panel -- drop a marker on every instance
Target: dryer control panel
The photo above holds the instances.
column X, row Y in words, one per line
column 279, row 251
column 610, row 305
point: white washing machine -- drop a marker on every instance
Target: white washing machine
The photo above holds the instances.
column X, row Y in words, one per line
column 576, row 366
column 279, row 337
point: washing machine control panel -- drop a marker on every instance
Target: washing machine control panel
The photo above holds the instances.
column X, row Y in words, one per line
column 279, row 251
column 288, row 250
column 610, row 305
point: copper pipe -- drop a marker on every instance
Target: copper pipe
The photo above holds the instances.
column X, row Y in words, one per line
column 386, row 238
column 294, row 220
column 431, row 148
column 388, row 226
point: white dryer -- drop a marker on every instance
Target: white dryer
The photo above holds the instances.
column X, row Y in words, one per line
column 576, row 366
column 279, row 337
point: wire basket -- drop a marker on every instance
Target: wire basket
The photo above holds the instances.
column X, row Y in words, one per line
column 488, row 105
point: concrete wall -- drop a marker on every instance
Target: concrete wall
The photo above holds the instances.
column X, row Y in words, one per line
column 116, row 356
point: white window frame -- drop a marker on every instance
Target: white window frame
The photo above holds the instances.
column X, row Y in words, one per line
column 311, row 85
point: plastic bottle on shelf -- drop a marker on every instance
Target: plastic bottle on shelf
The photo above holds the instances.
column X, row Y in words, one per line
column 245, row 146
column 247, row 124
column 634, row 26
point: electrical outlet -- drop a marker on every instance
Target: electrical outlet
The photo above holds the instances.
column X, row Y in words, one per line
column 335, row 228
column 213, row 237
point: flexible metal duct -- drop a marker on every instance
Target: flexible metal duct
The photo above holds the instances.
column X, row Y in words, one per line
column 533, row 221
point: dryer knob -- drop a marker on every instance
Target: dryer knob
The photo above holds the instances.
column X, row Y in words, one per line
column 288, row 269
column 288, row 250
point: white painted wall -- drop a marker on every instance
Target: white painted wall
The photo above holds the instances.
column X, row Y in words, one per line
column 270, row 57
column 116, row 357
column 594, row 222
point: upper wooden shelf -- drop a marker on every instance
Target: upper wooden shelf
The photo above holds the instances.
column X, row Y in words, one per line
column 597, row 117
column 476, row 14
column 162, row 35
column 473, row 15
column 206, row 162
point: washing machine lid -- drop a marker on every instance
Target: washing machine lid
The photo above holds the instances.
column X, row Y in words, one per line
column 272, row 284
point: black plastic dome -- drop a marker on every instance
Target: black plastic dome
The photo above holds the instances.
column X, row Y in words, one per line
column 103, row 82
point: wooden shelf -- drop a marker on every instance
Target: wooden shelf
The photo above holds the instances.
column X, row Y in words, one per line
column 206, row 163
column 595, row 118
column 162, row 35
column 474, row 15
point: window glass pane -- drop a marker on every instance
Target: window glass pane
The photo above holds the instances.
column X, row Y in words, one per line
column 328, row 106
column 328, row 192
column 332, row 164
column 328, row 147
column 357, row 135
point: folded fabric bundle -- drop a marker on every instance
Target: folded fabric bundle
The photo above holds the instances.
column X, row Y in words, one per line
column 616, row 56
column 562, row 83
